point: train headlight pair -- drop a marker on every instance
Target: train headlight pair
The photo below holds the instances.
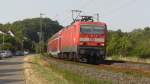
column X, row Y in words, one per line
column 82, row 43
column 102, row 44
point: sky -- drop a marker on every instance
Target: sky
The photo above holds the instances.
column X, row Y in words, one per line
column 117, row 14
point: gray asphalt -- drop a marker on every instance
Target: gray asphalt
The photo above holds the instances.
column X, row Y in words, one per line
column 11, row 70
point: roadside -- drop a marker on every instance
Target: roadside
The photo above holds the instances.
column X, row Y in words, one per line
column 39, row 71
column 35, row 73
column 11, row 70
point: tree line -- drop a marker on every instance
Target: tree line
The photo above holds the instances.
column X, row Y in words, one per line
column 27, row 36
column 27, row 33
column 135, row 43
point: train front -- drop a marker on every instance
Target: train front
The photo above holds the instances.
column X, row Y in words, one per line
column 92, row 39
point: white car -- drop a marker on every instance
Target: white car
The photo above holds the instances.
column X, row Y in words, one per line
column 26, row 52
column 6, row 53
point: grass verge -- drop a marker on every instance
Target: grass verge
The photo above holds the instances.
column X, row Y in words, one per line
column 57, row 75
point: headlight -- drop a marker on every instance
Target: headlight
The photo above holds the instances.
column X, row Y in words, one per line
column 102, row 44
column 81, row 43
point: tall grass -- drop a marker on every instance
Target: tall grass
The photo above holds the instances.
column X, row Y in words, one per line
column 47, row 73
column 64, row 76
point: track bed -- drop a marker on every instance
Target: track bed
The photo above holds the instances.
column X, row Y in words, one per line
column 119, row 72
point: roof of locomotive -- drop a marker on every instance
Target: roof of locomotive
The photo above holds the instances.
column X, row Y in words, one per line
column 94, row 23
column 82, row 23
column 77, row 23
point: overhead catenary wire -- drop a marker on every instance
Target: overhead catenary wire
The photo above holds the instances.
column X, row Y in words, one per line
column 68, row 16
column 117, row 9
column 85, row 5
column 113, row 11
column 90, row 2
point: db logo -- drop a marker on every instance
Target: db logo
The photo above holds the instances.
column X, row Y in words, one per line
column 91, row 39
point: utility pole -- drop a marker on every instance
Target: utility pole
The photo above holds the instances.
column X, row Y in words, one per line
column 97, row 17
column 41, row 34
column 22, row 45
column 3, row 41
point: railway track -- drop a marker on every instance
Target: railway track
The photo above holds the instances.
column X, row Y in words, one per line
column 119, row 72
column 122, row 65
column 126, row 65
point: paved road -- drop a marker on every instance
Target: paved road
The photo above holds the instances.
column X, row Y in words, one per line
column 11, row 70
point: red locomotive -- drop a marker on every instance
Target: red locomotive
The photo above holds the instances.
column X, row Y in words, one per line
column 82, row 41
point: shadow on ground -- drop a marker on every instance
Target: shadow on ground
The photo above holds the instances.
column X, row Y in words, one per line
column 7, row 81
column 9, row 70
column 4, row 74
column 10, row 63
column 110, row 62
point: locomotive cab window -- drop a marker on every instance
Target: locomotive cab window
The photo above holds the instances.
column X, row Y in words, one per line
column 88, row 29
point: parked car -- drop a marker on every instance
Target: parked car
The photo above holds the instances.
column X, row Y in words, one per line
column 5, row 53
column 26, row 52
column 19, row 53
column 0, row 57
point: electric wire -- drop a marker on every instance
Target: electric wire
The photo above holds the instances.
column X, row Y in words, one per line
column 117, row 9
column 91, row 2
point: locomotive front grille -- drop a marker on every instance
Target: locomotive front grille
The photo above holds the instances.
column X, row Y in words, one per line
column 88, row 50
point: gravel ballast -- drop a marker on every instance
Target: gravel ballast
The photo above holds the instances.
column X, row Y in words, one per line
column 100, row 72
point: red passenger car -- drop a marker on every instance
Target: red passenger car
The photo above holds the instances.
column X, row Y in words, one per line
column 81, row 41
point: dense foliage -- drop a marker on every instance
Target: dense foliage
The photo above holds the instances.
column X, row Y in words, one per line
column 27, row 36
column 27, row 33
column 135, row 43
